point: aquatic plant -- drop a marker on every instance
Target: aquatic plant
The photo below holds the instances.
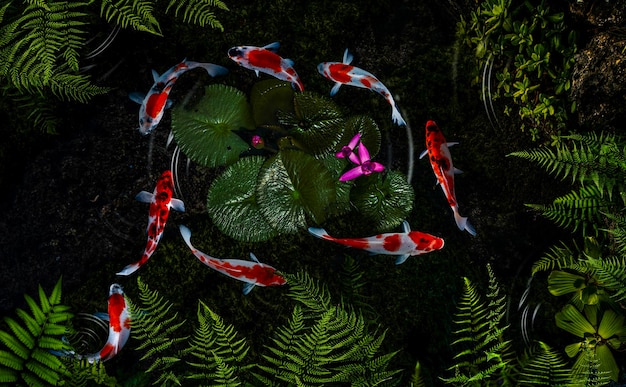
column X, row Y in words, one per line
column 291, row 175
column 25, row 356
column 541, row 365
column 532, row 51
column 483, row 355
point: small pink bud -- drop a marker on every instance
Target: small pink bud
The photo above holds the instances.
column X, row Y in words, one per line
column 258, row 142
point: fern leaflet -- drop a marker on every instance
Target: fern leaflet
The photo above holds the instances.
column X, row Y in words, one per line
column 199, row 12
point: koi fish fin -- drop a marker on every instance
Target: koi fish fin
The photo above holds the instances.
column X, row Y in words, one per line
column 449, row 144
column 247, row 288
column 155, row 76
column 406, row 227
column 137, row 97
column 145, row 197
column 186, row 234
column 168, row 104
column 396, row 117
column 401, row 258
column 272, row 46
column 177, row 205
column 254, row 258
column 335, row 89
column 424, row 153
column 319, row 232
column 102, row 316
column 129, row 269
column 347, row 57
column 289, row 62
column 214, row 70
column 256, row 72
column 463, row 224
column 457, row 171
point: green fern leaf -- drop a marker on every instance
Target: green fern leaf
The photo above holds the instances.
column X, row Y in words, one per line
column 611, row 273
column 138, row 14
column 545, row 367
column 199, row 12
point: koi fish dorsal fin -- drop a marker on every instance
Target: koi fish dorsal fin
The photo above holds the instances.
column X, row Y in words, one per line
column 272, row 46
column 347, row 57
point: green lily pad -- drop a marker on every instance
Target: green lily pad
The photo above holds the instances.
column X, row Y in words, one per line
column 316, row 124
column 232, row 204
column 206, row 134
column 268, row 97
column 291, row 186
column 384, row 199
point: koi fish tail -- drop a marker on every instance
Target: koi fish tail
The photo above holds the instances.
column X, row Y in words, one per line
column 133, row 267
column 214, row 70
column 462, row 223
column 320, row 233
column 396, row 117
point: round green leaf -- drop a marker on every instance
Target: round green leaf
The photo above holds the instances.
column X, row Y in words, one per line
column 232, row 204
column 269, row 96
column 317, row 123
column 384, row 199
column 291, row 186
column 205, row 133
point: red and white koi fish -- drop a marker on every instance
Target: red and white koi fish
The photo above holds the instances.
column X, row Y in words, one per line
column 118, row 317
column 441, row 162
column 405, row 244
column 253, row 273
column 155, row 102
column 161, row 201
column 264, row 59
column 344, row 74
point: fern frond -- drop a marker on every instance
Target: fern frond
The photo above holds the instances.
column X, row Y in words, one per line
column 311, row 293
column 576, row 209
column 155, row 327
column 137, row 14
column 544, row 367
column 611, row 274
column 26, row 357
column 559, row 257
column 199, row 12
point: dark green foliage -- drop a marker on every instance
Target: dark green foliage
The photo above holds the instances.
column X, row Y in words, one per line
column 85, row 374
column 483, row 356
column 25, row 356
column 544, row 367
column 198, row 12
column 155, row 325
column 137, row 14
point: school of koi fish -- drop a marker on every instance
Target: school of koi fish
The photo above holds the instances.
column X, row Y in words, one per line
column 254, row 273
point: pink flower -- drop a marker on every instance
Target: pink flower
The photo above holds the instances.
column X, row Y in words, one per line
column 258, row 142
column 364, row 165
column 348, row 150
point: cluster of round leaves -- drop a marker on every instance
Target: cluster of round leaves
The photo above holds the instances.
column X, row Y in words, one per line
column 294, row 179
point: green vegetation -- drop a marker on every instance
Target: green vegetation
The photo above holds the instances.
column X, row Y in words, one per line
column 531, row 49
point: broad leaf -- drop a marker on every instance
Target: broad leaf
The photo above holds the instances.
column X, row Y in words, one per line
column 269, row 97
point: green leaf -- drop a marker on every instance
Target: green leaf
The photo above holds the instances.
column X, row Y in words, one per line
column 562, row 282
column 370, row 133
column 384, row 199
column 291, row 186
column 268, row 97
column 232, row 203
column 206, row 134
column 611, row 325
column 571, row 320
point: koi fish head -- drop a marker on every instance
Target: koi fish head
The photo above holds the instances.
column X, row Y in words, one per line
column 239, row 53
column 115, row 289
column 431, row 126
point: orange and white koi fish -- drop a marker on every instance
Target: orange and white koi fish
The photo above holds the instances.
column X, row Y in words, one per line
column 344, row 74
column 161, row 201
column 253, row 273
column 156, row 101
column 119, row 320
column 405, row 244
column 264, row 59
column 441, row 162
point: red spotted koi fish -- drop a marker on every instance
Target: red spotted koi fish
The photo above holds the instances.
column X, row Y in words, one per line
column 156, row 101
column 441, row 161
column 405, row 244
column 264, row 59
column 161, row 201
column 344, row 74
column 253, row 273
column 118, row 317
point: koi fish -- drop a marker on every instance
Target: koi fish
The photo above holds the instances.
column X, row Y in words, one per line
column 253, row 273
column 264, row 59
column 161, row 201
column 441, row 162
column 344, row 74
column 405, row 244
column 156, row 101
column 119, row 320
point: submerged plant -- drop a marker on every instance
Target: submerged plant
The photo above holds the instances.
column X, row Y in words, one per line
column 282, row 167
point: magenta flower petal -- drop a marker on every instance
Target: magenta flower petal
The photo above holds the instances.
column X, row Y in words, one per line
column 354, row 158
column 371, row 166
column 364, row 155
column 355, row 140
column 352, row 174
column 348, row 150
